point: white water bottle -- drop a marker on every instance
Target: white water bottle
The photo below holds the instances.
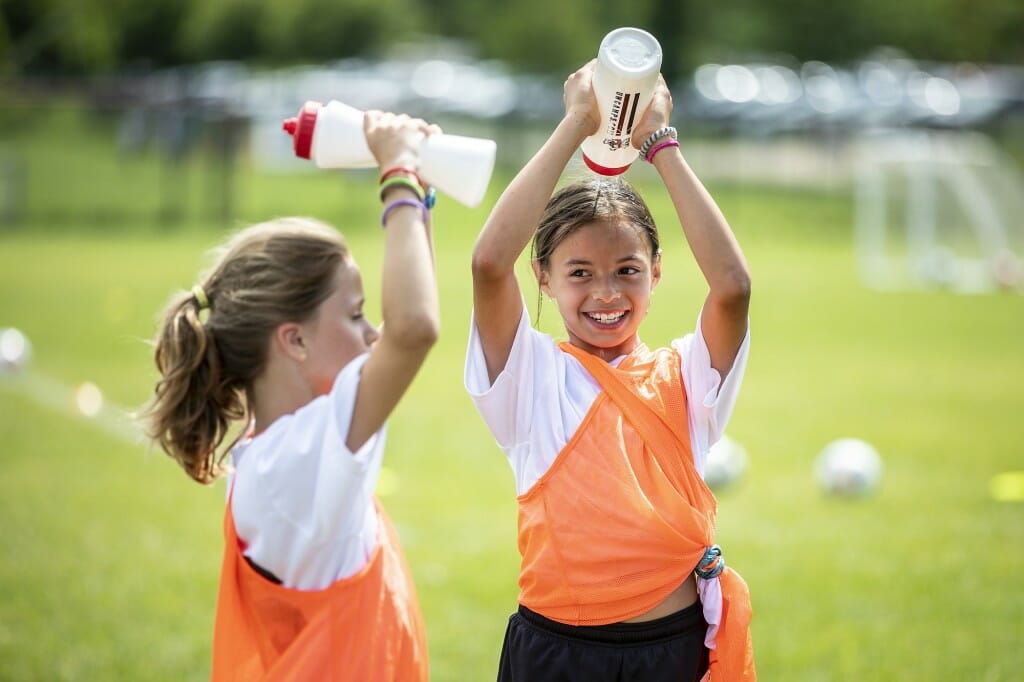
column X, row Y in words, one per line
column 628, row 63
column 332, row 136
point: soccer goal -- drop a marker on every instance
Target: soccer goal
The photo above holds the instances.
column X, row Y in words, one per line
column 938, row 209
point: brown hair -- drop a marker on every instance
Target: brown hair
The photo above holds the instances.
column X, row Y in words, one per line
column 581, row 203
column 267, row 274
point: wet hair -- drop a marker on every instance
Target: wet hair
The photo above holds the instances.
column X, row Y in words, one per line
column 582, row 203
column 270, row 273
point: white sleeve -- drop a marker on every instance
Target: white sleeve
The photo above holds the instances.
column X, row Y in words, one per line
column 709, row 400
column 505, row 405
column 302, row 500
column 523, row 408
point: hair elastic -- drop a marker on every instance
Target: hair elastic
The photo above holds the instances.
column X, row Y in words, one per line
column 711, row 564
column 645, row 148
column 200, row 295
column 658, row 147
column 403, row 202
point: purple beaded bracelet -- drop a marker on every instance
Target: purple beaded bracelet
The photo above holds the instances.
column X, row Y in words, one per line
column 403, row 202
column 658, row 147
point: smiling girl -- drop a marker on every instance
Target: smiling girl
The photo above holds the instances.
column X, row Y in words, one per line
column 620, row 576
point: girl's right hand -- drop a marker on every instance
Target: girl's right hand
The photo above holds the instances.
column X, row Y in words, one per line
column 394, row 139
column 580, row 100
column 657, row 115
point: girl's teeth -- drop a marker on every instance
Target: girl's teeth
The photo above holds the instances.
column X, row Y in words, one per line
column 606, row 319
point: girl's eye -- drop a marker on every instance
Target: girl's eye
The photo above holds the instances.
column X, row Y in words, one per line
column 629, row 270
column 578, row 273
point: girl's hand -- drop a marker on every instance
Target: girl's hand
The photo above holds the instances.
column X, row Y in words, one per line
column 394, row 139
column 580, row 101
column 657, row 115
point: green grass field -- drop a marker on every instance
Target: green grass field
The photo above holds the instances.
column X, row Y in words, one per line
column 110, row 554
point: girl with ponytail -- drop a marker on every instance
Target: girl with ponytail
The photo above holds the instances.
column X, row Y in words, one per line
column 271, row 375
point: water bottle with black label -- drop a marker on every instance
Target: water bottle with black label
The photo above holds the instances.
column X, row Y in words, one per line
column 628, row 63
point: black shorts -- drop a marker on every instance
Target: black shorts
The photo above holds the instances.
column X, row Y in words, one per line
column 537, row 649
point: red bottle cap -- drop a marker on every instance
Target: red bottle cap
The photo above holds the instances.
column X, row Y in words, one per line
column 301, row 128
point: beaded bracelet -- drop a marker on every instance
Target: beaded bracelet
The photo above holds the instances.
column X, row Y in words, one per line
column 402, row 169
column 402, row 182
column 645, row 148
column 402, row 202
column 658, row 147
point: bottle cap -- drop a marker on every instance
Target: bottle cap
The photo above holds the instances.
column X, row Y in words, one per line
column 301, row 128
column 631, row 51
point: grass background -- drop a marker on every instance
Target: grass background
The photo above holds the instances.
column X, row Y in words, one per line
column 110, row 554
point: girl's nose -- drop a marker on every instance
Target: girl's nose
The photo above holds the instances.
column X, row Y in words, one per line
column 372, row 334
column 605, row 292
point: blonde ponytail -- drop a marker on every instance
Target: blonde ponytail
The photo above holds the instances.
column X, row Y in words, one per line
column 268, row 274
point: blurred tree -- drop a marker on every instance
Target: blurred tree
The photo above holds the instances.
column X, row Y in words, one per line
column 322, row 30
column 227, row 29
column 150, row 32
column 6, row 49
column 807, row 29
column 676, row 25
column 979, row 30
column 86, row 36
column 987, row 31
column 72, row 36
column 540, row 35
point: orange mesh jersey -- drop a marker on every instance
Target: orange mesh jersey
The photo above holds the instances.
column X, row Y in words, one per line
column 622, row 517
column 364, row 627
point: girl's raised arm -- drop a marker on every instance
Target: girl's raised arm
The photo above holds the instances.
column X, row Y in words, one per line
column 718, row 254
column 411, row 315
column 497, row 299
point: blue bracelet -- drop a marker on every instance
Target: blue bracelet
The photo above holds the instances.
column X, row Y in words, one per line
column 403, row 202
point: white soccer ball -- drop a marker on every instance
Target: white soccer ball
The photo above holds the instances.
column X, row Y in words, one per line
column 849, row 467
column 725, row 465
column 15, row 351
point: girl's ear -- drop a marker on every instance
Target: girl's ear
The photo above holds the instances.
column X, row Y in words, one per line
column 288, row 339
column 656, row 269
column 542, row 277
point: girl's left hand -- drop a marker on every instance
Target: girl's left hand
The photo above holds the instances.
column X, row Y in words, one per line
column 394, row 139
column 657, row 115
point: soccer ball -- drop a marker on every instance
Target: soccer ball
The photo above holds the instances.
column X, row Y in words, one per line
column 849, row 467
column 15, row 351
column 726, row 463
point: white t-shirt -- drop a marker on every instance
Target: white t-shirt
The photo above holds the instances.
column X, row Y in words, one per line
column 301, row 501
column 542, row 395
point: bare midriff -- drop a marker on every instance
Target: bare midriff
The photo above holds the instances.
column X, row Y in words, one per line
column 681, row 597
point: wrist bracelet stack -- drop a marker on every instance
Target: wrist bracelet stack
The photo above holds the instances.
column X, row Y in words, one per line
column 402, row 176
column 657, row 141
